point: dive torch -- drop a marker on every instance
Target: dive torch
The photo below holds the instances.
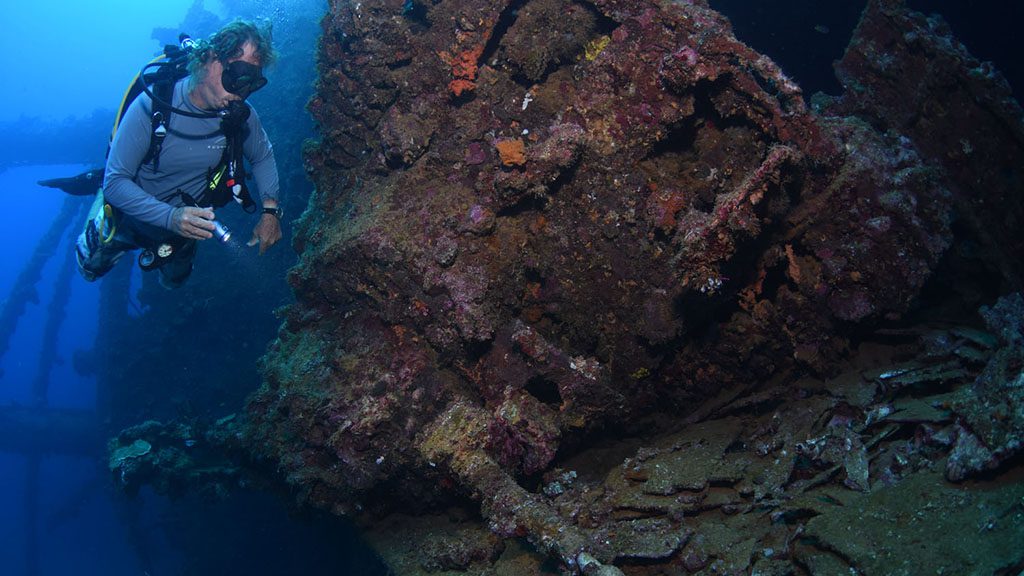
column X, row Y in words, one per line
column 220, row 231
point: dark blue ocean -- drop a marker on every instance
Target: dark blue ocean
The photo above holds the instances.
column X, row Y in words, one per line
column 66, row 65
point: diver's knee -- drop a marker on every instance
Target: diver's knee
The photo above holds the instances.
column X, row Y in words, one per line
column 94, row 259
column 83, row 269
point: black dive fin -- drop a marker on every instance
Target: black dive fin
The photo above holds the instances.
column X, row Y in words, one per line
column 85, row 184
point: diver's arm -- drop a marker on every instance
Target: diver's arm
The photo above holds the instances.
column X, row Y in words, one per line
column 129, row 148
column 260, row 153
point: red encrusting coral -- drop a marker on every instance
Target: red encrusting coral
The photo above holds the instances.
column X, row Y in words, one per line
column 463, row 69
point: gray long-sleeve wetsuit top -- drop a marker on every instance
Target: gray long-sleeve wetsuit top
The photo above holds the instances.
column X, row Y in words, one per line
column 191, row 148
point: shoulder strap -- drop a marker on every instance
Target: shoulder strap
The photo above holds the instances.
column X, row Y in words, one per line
column 236, row 172
column 164, row 91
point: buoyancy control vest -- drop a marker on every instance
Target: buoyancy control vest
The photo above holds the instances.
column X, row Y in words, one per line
column 226, row 181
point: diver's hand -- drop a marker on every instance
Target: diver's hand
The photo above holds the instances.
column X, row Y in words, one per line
column 266, row 233
column 192, row 222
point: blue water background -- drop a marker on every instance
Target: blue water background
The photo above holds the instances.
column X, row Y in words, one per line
column 94, row 528
column 66, row 57
column 36, row 207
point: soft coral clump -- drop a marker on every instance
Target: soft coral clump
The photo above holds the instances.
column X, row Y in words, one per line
column 464, row 66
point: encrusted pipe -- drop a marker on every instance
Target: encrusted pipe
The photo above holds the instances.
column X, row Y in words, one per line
column 455, row 438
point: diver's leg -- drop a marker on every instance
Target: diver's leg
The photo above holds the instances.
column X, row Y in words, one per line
column 95, row 256
column 178, row 267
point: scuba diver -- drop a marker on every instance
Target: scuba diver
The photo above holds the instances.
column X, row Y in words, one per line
column 178, row 152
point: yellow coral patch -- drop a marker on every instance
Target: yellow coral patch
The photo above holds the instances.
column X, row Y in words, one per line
column 640, row 374
column 596, row 46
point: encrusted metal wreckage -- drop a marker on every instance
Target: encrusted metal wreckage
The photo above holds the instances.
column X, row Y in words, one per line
column 596, row 272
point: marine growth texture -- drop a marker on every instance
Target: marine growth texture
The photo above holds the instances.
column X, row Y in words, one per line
column 540, row 222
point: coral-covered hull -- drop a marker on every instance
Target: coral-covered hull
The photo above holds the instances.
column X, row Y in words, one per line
column 539, row 221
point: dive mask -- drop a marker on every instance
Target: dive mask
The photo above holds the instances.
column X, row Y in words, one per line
column 242, row 78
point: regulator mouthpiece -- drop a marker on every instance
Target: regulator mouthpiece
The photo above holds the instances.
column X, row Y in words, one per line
column 221, row 232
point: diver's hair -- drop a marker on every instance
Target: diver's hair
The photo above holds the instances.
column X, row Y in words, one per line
column 228, row 42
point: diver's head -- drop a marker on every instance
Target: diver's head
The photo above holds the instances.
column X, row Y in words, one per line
column 229, row 66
